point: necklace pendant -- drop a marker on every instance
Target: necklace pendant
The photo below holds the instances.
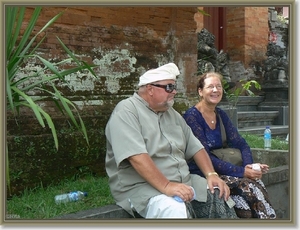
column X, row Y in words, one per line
column 212, row 122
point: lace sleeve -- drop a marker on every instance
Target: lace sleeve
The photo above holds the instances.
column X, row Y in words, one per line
column 211, row 139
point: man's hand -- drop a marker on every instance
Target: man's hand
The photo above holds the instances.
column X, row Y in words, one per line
column 213, row 181
column 185, row 192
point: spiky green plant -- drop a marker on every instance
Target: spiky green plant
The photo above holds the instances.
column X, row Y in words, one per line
column 21, row 47
column 232, row 95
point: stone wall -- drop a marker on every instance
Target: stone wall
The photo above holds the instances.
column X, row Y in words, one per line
column 123, row 42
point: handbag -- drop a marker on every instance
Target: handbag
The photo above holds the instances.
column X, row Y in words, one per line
column 232, row 155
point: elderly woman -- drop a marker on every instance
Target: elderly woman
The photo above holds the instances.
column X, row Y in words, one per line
column 246, row 188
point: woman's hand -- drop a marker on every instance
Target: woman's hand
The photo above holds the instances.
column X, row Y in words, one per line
column 264, row 168
column 255, row 174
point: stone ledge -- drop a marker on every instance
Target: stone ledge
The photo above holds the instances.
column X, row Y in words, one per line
column 106, row 212
column 278, row 175
column 273, row 158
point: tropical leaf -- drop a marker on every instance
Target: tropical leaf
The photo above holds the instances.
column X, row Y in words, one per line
column 203, row 12
column 20, row 49
column 31, row 104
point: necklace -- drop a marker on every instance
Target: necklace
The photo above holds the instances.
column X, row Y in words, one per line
column 205, row 115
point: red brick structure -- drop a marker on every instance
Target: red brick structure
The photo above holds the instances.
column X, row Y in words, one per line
column 244, row 31
column 247, row 33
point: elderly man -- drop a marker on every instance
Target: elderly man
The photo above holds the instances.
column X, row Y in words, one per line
column 148, row 146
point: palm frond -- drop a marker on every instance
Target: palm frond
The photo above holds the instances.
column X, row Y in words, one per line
column 19, row 49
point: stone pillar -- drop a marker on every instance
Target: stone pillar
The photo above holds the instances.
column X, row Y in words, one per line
column 276, row 70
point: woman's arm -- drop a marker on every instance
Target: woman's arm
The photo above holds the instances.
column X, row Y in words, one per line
column 200, row 130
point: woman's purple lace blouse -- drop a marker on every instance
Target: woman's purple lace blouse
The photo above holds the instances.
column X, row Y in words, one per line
column 211, row 139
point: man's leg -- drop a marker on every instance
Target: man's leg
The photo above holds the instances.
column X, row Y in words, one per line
column 163, row 206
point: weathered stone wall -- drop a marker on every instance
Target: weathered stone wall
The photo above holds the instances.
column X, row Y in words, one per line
column 123, row 42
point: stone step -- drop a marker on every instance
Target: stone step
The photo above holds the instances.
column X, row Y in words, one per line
column 256, row 118
column 277, row 130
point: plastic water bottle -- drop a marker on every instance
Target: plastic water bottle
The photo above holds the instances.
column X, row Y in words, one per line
column 267, row 138
column 177, row 198
column 287, row 138
column 71, row 196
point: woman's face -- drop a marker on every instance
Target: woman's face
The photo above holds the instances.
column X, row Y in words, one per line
column 212, row 91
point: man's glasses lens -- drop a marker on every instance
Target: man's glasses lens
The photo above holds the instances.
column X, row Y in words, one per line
column 168, row 88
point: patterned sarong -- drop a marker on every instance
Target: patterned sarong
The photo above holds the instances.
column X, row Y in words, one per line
column 251, row 198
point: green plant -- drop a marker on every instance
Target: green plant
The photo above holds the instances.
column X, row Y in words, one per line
column 21, row 47
column 232, row 94
column 282, row 19
column 203, row 12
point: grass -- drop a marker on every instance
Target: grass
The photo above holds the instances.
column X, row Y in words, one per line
column 255, row 141
column 39, row 203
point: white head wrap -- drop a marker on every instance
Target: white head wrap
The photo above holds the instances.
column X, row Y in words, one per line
column 165, row 72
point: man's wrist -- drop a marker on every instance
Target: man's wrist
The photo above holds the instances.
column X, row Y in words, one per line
column 211, row 173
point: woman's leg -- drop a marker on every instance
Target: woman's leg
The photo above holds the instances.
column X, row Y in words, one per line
column 251, row 198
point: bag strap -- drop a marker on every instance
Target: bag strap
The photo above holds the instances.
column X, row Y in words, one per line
column 223, row 133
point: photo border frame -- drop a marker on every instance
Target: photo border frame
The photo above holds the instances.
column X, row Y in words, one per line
column 174, row 223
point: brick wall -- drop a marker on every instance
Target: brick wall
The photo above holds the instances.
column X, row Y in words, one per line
column 247, row 34
column 123, row 42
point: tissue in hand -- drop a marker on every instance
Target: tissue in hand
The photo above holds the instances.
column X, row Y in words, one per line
column 256, row 167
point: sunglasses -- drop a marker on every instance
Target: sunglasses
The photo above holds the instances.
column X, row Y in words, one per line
column 169, row 88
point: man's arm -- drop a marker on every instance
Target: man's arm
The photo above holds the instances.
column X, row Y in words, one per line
column 204, row 163
column 145, row 166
